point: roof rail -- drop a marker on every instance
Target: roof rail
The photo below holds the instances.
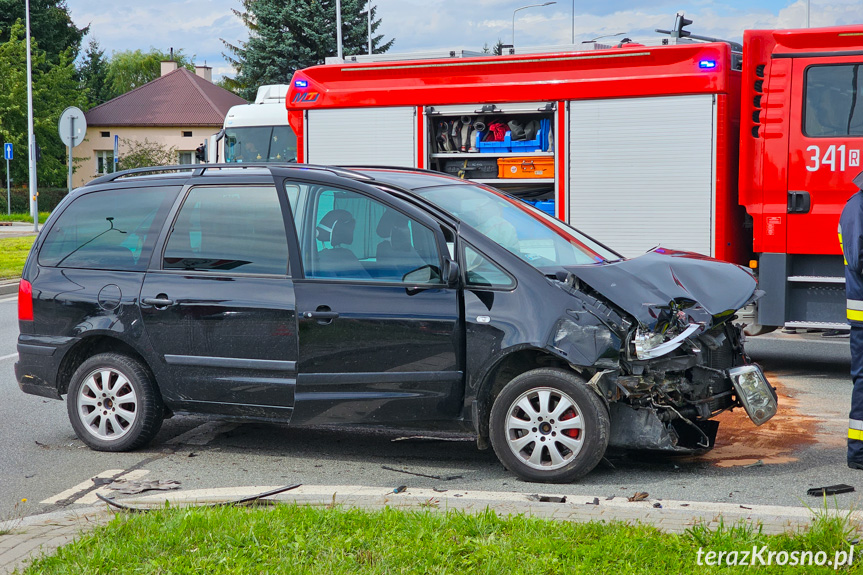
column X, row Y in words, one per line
column 200, row 169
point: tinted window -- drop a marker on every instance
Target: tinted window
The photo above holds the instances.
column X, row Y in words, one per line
column 112, row 230
column 348, row 235
column 833, row 101
column 229, row 229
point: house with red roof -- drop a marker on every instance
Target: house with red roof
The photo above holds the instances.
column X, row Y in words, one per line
column 179, row 109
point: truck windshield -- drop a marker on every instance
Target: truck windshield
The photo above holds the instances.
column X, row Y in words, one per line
column 260, row 144
column 527, row 232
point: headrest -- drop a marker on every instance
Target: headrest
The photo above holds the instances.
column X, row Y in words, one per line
column 337, row 227
column 390, row 220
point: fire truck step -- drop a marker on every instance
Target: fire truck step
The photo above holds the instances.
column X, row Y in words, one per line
column 816, row 325
column 818, row 279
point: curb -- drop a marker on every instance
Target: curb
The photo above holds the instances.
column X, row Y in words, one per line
column 9, row 287
column 40, row 534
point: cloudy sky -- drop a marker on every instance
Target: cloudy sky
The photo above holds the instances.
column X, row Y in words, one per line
column 196, row 26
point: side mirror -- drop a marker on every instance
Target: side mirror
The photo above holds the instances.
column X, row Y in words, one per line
column 450, row 272
column 423, row 275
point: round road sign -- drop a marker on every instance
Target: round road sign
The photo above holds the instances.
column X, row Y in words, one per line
column 72, row 126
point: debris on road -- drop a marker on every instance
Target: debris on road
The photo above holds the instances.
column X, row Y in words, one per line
column 417, row 474
column 547, row 498
column 241, row 501
column 759, row 463
column 594, row 502
column 400, row 489
column 639, row 496
column 430, row 438
column 133, row 487
column 829, row 490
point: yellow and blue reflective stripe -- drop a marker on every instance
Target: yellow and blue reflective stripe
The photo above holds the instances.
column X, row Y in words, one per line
column 854, row 309
column 855, row 429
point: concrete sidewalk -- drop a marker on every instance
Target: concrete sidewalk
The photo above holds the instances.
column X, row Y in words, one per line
column 43, row 534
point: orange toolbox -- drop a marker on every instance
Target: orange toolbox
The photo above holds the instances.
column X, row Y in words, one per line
column 525, row 167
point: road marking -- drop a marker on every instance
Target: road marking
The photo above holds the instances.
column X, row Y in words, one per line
column 85, row 485
column 10, row 356
column 8, row 299
column 203, row 434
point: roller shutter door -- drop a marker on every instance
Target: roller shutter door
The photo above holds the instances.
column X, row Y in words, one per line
column 642, row 172
column 370, row 136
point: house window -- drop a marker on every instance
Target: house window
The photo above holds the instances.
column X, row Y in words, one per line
column 105, row 134
column 187, row 134
column 105, row 162
column 184, row 158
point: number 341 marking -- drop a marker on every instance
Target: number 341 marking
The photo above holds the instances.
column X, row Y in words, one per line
column 834, row 156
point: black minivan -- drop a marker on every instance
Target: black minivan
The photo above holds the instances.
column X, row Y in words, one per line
column 386, row 296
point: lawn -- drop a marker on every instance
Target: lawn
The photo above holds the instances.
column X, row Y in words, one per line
column 293, row 539
column 13, row 254
column 18, row 217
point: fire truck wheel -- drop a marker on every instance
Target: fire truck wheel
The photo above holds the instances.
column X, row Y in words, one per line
column 547, row 426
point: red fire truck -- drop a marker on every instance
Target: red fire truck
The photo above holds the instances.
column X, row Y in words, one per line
column 743, row 153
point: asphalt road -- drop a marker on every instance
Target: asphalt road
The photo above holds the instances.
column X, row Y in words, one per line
column 803, row 446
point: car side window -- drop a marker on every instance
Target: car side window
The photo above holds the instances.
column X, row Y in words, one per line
column 349, row 236
column 482, row 272
column 234, row 229
column 108, row 230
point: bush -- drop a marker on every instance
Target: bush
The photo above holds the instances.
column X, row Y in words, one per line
column 48, row 199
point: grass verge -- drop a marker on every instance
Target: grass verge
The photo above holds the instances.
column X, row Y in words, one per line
column 13, row 254
column 292, row 539
column 19, row 217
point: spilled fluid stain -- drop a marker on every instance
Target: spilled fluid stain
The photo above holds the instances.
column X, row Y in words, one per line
column 740, row 443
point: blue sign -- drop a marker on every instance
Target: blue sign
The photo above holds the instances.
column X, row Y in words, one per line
column 7, row 151
column 116, row 148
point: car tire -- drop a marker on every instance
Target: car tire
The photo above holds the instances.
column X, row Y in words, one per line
column 554, row 411
column 113, row 403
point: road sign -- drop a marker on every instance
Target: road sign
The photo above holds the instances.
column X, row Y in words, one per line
column 116, row 149
column 72, row 126
column 7, row 151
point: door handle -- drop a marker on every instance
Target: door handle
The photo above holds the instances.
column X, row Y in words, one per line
column 161, row 301
column 798, row 202
column 331, row 315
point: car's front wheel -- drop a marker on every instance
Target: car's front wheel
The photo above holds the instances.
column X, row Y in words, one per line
column 548, row 426
column 113, row 403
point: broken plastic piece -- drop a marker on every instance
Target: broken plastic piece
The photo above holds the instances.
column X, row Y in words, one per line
column 400, row 489
column 639, row 496
column 829, row 490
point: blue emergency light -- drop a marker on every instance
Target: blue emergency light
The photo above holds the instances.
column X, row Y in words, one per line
column 707, row 64
column 301, row 83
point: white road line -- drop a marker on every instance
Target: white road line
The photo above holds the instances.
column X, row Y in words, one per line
column 10, row 356
column 81, row 486
column 8, row 299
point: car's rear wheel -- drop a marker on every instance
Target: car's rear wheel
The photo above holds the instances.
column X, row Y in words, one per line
column 113, row 403
column 548, row 426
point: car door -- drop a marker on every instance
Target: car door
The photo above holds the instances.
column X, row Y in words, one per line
column 218, row 302
column 380, row 331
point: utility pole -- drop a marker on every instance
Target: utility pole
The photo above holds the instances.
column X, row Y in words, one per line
column 339, row 28
column 31, row 136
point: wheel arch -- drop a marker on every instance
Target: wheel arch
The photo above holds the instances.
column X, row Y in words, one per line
column 502, row 371
column 92, row 345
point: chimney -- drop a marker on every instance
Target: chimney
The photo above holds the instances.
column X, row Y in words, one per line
column 168, row 66
column 205, row 72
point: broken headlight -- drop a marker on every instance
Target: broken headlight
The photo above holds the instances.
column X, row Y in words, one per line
column 649, row 345
column 756, row 395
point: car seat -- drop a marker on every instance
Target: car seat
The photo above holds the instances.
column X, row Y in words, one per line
column 396, row 255
column 337, row 229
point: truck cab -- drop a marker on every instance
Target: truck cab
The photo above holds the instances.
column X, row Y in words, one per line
column 801, row 129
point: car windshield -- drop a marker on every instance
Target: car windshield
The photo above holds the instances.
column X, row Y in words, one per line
column 260, row 144
column 527, row 232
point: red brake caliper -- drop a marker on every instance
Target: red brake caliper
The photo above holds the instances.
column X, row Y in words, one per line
column 569, row 414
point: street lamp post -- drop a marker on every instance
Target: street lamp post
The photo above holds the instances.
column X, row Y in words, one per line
column 522, row 8
column 31, row 137
column 573, row 21
column 339, row 29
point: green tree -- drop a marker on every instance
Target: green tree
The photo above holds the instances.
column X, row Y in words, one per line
column 55, row 87
column 51, row 26
column 132, row 68
column 93, row 73
column 137, row 154
column 288, row 35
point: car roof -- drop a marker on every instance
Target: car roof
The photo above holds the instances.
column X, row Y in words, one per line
column 407, row 178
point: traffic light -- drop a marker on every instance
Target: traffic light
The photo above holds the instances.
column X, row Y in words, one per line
column 679, row 24
column 201, row 153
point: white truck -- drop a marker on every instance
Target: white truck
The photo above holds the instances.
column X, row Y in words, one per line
column 257, row 132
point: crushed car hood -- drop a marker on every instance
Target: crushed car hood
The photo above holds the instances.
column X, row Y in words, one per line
column 644, row 286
